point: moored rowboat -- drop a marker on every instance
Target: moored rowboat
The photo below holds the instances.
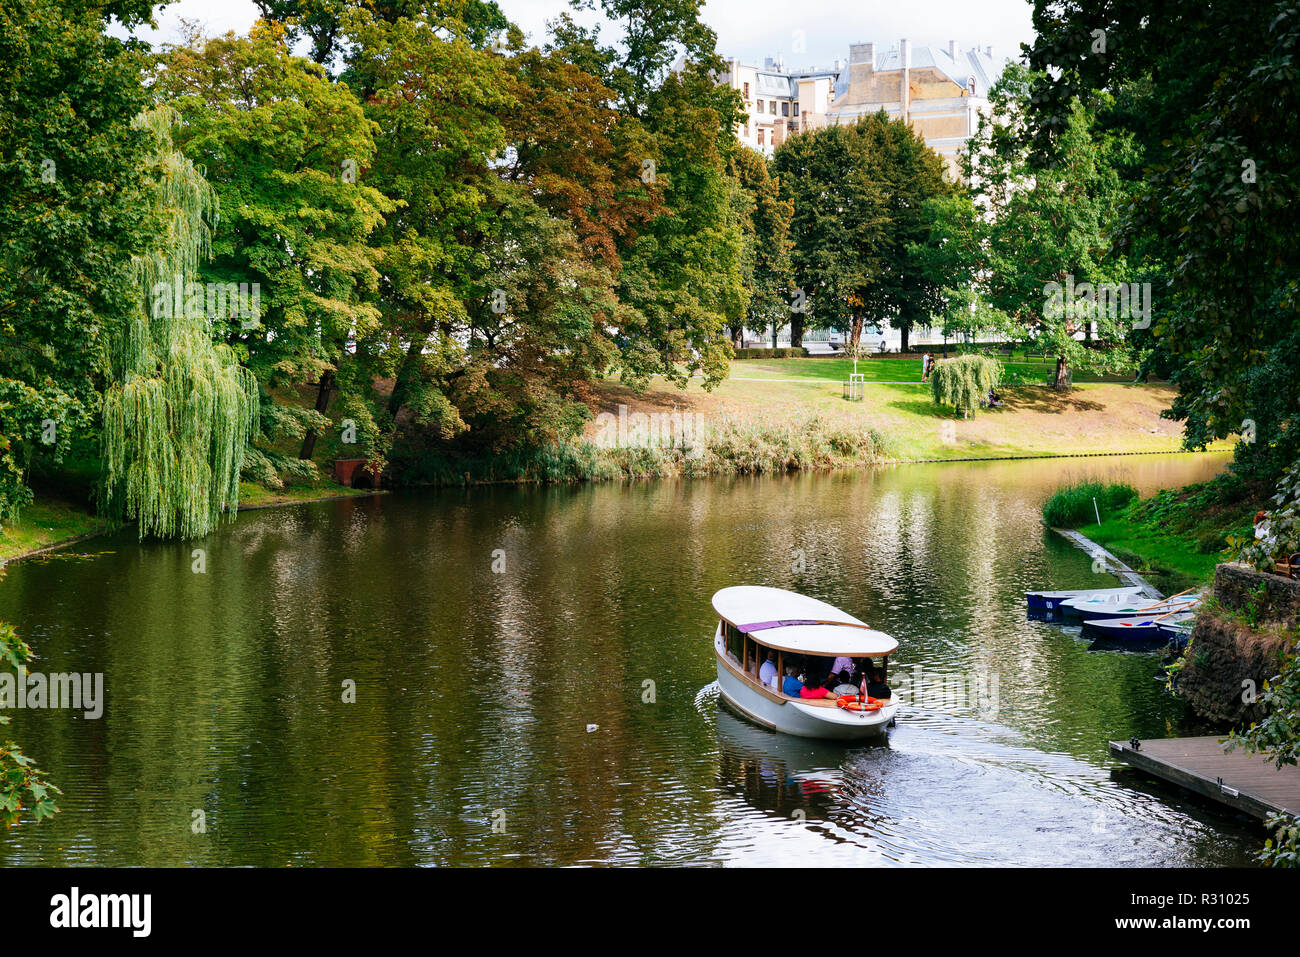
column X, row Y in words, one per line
column 1047, row 604
column 1136, row 630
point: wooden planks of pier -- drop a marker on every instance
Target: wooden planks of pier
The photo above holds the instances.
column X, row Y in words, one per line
column 1247, row 782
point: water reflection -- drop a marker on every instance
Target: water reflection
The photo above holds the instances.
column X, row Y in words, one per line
column 475, row 682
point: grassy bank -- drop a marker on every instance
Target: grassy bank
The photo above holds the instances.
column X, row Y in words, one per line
column 1177, row 535
column 725, row 446
column 45, row 523
column 1099, row 418
column 252, row 495
column 48, row 522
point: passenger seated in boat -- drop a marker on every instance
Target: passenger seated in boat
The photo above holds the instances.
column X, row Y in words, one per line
column 844, row 683
column 842, row 664
column 811, row 690
column 876, row 687
column 792, row 685
column 767, row 673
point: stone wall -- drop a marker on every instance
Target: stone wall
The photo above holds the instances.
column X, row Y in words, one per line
column 1243, row 589
column 1228, row 658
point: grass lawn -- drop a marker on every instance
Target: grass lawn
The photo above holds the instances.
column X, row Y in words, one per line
column 1094, row 418
column 1175, row 561
column 882, row 370
column 256, row 496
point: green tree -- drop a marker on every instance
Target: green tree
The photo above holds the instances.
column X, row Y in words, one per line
column 178, row 408
column 768, row 266
column 284, row 146
column 1207, row 91
column 1049, row 232
column 954, row 259
column 910, row 173
column 71, row 170
column 840, row 225
column 437, row 102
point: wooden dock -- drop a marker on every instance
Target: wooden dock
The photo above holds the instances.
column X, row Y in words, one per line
column 1245, row 782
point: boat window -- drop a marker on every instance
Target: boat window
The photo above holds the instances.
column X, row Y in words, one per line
column 734, row 640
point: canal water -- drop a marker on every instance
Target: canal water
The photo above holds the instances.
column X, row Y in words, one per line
column 500, row 676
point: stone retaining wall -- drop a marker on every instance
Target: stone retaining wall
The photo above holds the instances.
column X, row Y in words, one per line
column 1228, row 660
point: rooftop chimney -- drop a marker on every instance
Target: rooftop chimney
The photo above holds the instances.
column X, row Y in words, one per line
column 952, row 49
column 988, row 52
column 863, row 53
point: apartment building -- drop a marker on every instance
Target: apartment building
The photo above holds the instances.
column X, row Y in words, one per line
column 779, row 103
column 940, row 91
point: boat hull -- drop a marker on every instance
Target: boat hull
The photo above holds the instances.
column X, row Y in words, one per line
column 1050, row 604
column 796, row 717
column 1123, row 611
column 1146, row 631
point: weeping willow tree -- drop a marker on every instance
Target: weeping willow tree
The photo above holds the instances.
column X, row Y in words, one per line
column 179, row 410
column 964, row 381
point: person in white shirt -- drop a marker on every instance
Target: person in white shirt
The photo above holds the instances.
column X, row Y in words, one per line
column 767, row 673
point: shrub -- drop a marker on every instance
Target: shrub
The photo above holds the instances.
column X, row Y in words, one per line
column 1072, row 506
column 965, row 381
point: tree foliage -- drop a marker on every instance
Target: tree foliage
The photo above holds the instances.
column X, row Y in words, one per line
column 179, row 408
column 859, row 193
column 1208, row 92
column 1048, row 231
column 23, row 788
column 965, row 381
column 71, row 168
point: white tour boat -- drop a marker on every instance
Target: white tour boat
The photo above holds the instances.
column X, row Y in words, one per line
column 755, row 620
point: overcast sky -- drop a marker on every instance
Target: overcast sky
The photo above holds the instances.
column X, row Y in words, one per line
column 806, row 32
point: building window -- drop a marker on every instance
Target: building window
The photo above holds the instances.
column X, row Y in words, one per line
column 746, row 92
column 760, row 106
column 796, row 107
column 760, row 137
column 771, row 107
column 785, row 109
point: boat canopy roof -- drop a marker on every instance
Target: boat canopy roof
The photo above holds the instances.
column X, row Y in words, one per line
column 788, row 621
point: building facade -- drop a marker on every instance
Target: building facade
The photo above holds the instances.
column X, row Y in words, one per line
column 779, row 103
column 939, row 91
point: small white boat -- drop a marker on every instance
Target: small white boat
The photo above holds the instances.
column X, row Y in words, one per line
column 1047, row 604
column 754, row 620
column 1104, row 612
column 1091, row 606
column 1156, row 628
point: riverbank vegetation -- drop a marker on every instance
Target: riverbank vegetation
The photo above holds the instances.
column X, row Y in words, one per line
column 1179, row 534
column 1074, row 505
column 423, row 260
column 724, row 447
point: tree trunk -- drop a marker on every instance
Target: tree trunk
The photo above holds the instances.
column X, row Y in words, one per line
column 737, row 337
column 1062, row 383
column 903, row 331
column 322, row 403
column 855, row 333
column 399, row 381
column 796, row 330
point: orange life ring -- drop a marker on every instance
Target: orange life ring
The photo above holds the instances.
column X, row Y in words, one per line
column 854, row 702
